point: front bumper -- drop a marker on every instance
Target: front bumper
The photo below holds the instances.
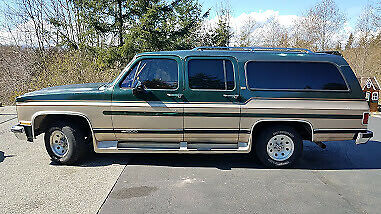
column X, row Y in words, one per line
column 19, row 132
column 22, row 132
column 363, row 138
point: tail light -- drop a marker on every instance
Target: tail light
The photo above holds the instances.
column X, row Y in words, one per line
column 365, row 118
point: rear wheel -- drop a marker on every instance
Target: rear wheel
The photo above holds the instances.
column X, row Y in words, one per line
column 65, row 143
column 278, row 146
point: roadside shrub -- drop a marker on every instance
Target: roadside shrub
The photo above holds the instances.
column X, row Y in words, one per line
column 24, row 69
column 70, row 67
column 17, row 67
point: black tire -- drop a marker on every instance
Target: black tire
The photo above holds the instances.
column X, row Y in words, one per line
column 76, row 141
column 270, row 133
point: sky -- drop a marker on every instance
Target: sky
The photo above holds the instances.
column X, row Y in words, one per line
column 286, row 12
column 352, row 8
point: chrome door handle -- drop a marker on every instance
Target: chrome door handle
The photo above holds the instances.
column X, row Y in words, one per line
column 234, row 96
column 175, row 95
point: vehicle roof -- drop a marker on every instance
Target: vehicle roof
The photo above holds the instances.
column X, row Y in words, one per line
column 244, row 55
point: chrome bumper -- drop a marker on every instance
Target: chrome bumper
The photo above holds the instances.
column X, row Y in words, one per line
column 363, row 138
column 19, row 132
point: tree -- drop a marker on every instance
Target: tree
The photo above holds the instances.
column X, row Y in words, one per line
column 104, row 20
column 367, row 27
column 338, row 46
column 118, row 29
column 245, row 34
column 217, row 34
column 274, row 35
column 223, row 32
column 159, row 25
column 321, row 22
column 368, row 21
column 349, row 42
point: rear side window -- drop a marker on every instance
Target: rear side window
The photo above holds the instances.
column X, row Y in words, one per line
column 211, row 74
column 294, row 76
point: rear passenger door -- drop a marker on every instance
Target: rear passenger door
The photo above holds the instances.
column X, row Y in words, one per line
column 211, row 108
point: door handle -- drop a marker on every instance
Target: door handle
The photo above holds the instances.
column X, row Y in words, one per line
column 234, row 96
column 175, row 95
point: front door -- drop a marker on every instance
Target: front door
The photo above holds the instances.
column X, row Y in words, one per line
column 211, row 108
column 154, row 114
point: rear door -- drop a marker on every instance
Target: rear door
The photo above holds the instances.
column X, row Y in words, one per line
column 211, row 108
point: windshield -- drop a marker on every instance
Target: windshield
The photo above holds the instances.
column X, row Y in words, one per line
column 123, row 71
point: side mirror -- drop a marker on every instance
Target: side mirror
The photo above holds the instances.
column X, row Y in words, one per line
column 138, row 89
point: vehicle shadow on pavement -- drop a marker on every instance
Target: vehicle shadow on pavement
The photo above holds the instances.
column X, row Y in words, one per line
column 341, row 155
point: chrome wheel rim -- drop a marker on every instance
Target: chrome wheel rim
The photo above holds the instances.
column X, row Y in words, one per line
column 59, row 143
column 280, row 147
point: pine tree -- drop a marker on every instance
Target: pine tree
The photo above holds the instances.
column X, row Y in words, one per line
column 349, row 42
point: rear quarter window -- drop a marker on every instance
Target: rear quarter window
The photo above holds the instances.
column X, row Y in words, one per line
column 294, row 76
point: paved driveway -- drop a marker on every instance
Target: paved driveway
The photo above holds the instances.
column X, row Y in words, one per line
column 30, row 183
column 344, row 178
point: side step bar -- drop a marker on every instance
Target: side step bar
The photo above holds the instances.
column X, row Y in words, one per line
column 182, row 147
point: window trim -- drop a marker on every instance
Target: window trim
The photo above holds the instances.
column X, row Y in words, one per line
column 138, row 60
column 375, row 93
column 296, row 90
column 210, row 58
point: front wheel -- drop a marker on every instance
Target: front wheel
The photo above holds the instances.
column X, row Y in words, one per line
column 65, row 143
column 278, row 146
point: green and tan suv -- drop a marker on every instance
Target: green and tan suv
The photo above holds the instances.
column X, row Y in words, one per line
column 206, row 100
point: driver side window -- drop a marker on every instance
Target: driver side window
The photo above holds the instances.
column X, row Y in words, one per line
column 153, row 74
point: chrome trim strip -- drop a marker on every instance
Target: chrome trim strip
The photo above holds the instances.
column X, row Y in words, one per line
column 182, row 147
column 344, row 131
column 64, row 103
column 169, row 131
column 158, row 104
column 233, row 114
column 252, row 49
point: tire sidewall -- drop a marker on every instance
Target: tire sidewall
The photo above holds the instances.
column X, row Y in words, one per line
column 266, row 135
column 70, row 156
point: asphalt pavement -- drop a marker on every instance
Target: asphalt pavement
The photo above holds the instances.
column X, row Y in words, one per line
column 344, row 178
column 31, row 183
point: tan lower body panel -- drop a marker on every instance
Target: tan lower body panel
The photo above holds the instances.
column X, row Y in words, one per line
column 333, row 136
column 94, row 113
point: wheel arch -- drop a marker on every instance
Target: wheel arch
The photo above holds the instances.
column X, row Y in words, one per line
column 303, row 127
column 44, row 117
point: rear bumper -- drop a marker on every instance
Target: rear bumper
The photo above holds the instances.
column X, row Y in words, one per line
column 364, row 137
column 22, row 132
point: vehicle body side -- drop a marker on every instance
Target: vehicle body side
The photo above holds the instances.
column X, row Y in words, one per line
column 207, row 116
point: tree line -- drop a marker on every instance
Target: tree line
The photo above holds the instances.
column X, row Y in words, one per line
column 74, row 41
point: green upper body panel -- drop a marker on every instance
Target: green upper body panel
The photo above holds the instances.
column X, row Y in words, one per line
column 112, row 91
column 89, row 91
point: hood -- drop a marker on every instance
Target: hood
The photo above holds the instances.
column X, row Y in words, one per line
column 63, row 92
